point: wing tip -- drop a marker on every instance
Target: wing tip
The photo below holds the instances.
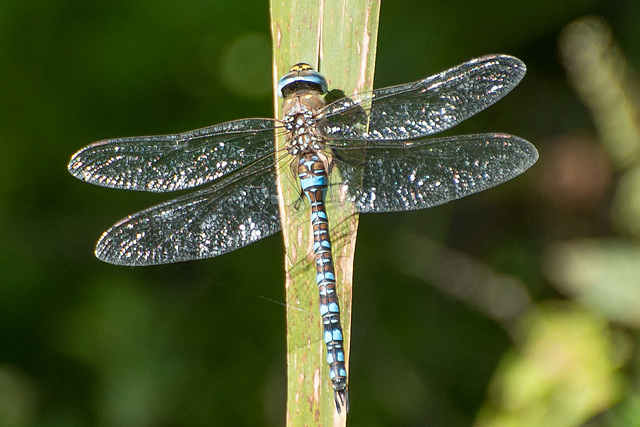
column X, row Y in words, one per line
column 516, row 65
column 103, row 252
column 112, row 249
column 503, row 58
column 75, row 163
column 529, row 153
column 81, row 169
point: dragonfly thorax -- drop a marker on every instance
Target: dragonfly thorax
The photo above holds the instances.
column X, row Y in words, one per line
column 301, row 121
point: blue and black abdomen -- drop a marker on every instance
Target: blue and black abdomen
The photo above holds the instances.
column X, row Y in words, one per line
column 314, row 183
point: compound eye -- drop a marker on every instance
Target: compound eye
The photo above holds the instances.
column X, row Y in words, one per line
column 302, row 75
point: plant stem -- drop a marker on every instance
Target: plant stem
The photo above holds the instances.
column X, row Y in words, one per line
column 338, row 38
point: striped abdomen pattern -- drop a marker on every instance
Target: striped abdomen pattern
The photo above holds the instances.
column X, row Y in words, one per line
column 314, row 183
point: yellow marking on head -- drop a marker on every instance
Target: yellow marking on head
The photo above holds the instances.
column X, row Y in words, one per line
column 301, row 66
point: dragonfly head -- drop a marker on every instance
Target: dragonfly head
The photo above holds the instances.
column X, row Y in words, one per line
column 302, row 77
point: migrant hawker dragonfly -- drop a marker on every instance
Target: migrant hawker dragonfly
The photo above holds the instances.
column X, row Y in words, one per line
column 376, row 140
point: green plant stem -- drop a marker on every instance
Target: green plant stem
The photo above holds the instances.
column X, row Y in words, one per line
column 338, row 38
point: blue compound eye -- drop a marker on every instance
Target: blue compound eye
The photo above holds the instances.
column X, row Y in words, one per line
column 302, row 76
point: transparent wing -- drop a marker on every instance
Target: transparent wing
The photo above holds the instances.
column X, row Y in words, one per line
column 425, row 107
column 423, row 173
column 174, row 162
column 239, row 209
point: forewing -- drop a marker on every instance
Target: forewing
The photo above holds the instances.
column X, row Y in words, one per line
column 174, row 162
column 236, row 210
column 425, row 107
column 423, row 173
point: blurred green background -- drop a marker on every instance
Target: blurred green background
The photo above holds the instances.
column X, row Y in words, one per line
column 519, row 306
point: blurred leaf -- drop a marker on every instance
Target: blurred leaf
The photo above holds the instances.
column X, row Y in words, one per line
column 561, row 372
column 626, row 413
column 605, row 83
column 18, row 398
column 499, row 296
column 602, row 274
column 626, row 204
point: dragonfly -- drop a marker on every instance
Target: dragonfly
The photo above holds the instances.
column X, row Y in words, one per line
column 378, row 141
